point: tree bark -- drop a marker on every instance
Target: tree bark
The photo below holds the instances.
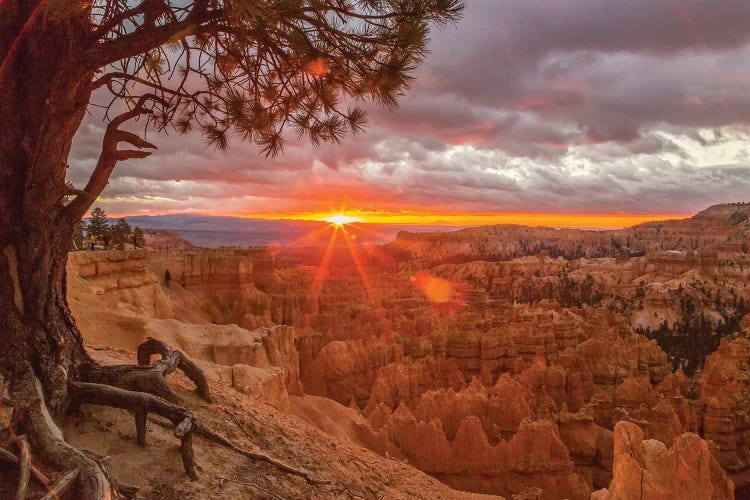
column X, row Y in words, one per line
column 43, row 98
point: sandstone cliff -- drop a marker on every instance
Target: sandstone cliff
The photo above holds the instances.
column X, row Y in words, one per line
column 649, row 470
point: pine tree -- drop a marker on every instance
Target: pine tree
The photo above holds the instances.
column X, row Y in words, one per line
column 121, row 232
column 98, row 225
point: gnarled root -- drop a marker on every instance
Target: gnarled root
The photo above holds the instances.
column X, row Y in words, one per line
column 172, row 358
column 141, row 389
column 64, row 484
column 218, row 438
column 24, row 466
column 9, row 458
column 150, row 378
column 30, row 412
column 142, row 404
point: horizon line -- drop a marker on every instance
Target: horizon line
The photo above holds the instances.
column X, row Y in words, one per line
column 550, row 219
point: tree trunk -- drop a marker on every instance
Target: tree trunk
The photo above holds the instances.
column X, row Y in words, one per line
column 43, row 98
column 37, row 329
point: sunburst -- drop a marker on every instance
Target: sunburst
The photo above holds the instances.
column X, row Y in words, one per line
column 341, row 219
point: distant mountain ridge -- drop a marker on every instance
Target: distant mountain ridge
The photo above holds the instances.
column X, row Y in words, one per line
column 724, row 227
column 721, row 226
column 216, row 231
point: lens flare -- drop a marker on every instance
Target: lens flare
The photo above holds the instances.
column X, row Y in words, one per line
column 318, row 67
column 436, row 290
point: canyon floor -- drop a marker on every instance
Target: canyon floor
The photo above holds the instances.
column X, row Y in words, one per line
column 505, row 360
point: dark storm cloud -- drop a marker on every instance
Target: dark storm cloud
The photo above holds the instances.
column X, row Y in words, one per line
column 563, row 105
column 610, row 68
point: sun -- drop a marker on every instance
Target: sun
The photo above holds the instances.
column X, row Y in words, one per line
column 341, row 219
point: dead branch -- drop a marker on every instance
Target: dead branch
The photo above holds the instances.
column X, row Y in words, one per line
column 63, row 484
column 141, row 403
column 174, row 359
column 24, row 454
column 140, row 427
column 183, row 431
column 36, row 474
column 218, row 438
column 150, row 378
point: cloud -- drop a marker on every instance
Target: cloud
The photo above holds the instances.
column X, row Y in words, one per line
column 560, row 105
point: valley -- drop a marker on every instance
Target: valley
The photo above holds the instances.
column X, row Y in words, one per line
column 500, row 360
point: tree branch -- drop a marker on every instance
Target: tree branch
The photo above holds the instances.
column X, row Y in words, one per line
column 107, row 80
column 110, row 155
column 146, row 39
column 105, row 28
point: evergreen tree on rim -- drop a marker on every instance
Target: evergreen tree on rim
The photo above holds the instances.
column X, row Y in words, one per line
column 98, row 224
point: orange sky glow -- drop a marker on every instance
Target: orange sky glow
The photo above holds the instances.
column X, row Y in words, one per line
column 608, row 221
column 348, row 216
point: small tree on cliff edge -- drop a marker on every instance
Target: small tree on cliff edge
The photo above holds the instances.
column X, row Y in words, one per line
column 248, row 68
column 121, row 231
column 98, row 224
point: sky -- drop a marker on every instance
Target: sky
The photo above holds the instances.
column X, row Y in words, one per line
column 526, row 111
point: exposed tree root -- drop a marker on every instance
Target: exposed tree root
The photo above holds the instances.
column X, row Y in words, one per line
column 24, row 466
column 30, row 413
column 141, row 389
column 36, row 474
column 252, row 485
column 214, row 436
column 150, row 378
column 218, row 438
column 173, row 359
column 141, row 404
column 64, row 484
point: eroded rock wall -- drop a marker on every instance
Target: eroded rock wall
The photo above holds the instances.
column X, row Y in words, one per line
column 648, row 469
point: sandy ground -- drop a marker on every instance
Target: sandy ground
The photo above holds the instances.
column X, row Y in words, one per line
column 353, row 472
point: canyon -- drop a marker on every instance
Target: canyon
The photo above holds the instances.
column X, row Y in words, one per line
column 503, row 360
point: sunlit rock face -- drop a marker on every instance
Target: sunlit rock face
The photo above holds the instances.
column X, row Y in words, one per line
column 532, row 391
column 345, row 371
column 118, row 301
column 720, row 228
column 119, row 277
column 648, row 469
column 261, row 362
column 725, row 394
column 224, row 276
